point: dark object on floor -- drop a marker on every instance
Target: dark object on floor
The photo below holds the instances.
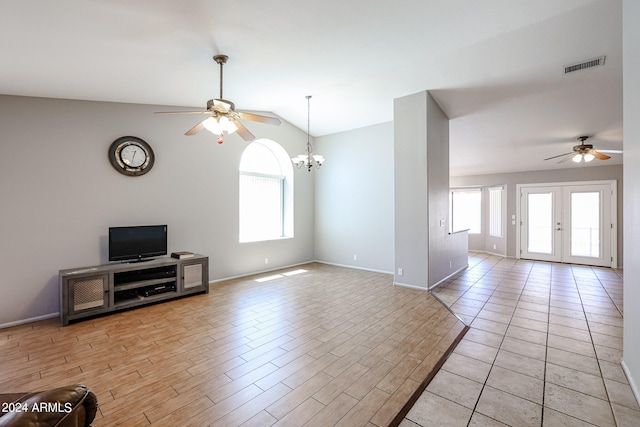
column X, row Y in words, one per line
column 69, row 406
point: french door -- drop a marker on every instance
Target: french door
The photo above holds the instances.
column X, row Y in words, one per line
column 572, row 223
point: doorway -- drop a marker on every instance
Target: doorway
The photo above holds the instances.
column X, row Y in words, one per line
column 568, row 222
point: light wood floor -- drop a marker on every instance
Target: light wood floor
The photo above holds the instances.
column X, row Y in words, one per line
column 323, row 346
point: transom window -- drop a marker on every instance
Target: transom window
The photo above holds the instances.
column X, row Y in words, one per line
column 266, row 192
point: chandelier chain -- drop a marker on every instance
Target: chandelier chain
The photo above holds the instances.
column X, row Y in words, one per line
column 308, row 159
column 309, row 122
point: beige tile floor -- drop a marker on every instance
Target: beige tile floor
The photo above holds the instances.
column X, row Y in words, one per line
column 544, row 349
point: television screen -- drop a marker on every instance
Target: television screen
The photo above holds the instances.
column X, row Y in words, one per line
column 137, row 242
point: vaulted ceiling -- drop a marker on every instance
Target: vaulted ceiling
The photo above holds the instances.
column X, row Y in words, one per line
column 496, row 67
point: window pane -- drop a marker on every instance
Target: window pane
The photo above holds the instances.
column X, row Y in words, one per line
column 259, row 158
column 585, row 224
column 466, row 207
column 540, row 227
column 495, row 212
column 265, row 181
column 260, row 208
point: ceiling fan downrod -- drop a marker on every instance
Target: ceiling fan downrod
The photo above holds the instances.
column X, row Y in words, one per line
column 221, row 59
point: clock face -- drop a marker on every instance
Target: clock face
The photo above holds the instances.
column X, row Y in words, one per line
column 131, row 156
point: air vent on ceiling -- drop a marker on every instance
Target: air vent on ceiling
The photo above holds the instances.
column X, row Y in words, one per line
column 584, row 65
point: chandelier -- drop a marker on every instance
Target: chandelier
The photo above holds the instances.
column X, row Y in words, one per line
column 308, row 159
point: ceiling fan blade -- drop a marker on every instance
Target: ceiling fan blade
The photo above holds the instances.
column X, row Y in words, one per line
column 197, row 128
column 568, row 156
column 259, row 118
column 599, row 155
column 559, row 155
column 610, row 151
column 243, row 131
column 182, row 112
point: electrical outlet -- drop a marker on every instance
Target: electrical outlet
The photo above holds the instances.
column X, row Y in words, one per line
column 266, row 261
column 450, row 265
column 494, row 246
column 355, row 257
column 400, row 272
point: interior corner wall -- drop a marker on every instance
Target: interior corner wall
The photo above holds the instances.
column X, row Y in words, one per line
column 448, row 253
column 411, row 239
column 631, row 73
column 425, row 252
column 60, row 194
column 354, row 198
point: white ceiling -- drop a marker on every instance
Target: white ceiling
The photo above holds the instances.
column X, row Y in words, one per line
column 494, row 66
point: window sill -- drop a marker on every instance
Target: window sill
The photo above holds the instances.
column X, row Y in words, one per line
column 266, row 239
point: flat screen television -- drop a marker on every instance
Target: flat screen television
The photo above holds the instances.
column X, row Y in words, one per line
column 137, row 243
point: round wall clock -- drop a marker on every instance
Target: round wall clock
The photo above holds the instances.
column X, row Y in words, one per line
column 131, row 156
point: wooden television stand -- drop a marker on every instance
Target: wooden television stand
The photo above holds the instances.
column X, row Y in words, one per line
column 101, row 289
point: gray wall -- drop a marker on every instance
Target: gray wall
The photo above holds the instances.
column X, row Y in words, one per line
column 354, row 198
column 60, row 194
column 591, row 173
column 448, row 253
column 631, row 72
column 424, row 249
column 411, row 190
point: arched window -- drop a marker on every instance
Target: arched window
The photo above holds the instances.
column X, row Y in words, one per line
column 266, row 192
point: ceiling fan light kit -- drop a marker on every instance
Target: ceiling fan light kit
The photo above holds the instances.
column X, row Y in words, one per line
column 223, row 118
column 308, row 159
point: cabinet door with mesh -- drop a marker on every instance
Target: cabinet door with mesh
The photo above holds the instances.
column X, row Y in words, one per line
column 88, row 293
column 192, row 277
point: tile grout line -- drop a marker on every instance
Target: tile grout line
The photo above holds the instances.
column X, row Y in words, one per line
column 546, row 350
column 484, row 385
column 593, row 344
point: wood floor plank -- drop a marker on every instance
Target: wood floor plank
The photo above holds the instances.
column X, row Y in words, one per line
column 248, row 410
column 333, row 412
column 288, row 403
column 325, row 346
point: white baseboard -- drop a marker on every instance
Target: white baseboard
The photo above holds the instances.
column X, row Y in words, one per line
column 404, row 285
column 632, row 383
column 29, row 320
column 435, row 285
column 354, row 267
column 441, row 281
column 491, row 253
column 239, row 276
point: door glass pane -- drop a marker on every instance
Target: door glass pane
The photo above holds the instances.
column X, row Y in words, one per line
column 540, row 223
column 585, row 224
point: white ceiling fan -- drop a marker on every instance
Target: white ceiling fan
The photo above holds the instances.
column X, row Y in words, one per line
column 584, row 152
column 222, row 115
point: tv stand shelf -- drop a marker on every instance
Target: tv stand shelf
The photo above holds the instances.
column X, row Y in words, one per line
column 102, row 289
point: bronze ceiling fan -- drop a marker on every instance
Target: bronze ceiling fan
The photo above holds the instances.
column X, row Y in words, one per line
column 222, row 116
column 584, row 152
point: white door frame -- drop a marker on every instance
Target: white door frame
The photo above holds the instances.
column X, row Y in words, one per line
column 613, row 216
